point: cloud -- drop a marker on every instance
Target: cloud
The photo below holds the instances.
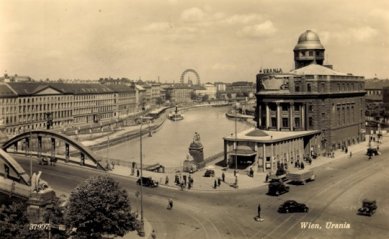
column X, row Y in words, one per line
column 157, row 27
column 222, row 66
column 193, row 15
column 363, row 34
column 356, row 34
column 262, row 30
column 243, row 19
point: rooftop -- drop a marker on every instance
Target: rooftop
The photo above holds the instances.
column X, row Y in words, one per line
column 267, row 136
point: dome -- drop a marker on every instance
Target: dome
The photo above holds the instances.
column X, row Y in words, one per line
column 308, row 40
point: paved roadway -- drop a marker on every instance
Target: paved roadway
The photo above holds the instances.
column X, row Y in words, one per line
column 334, row 197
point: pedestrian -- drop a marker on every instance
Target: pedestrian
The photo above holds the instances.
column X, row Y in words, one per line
column 223, row 177
column 137, row 173
column 170, row 203
column 346, row 150
column 302, row 165
column 189, row 185
column 267, row 177
column 167, row 180
column 215, row 184
column 153, row 235
column 259, row 210
column 184, row 179
column 182, row 185
column 351, row 154
column 251, row 172
column 219, row 182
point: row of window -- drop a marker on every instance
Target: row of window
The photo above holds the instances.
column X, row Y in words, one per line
column 340, row 87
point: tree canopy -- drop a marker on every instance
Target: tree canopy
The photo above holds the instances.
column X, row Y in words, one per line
column 97, row 207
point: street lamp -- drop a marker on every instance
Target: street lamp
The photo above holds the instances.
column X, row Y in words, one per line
column 141, row 231
column 236, row 146
column 30, row 156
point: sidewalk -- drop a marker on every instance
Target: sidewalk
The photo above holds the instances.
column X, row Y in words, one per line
column 206, row 184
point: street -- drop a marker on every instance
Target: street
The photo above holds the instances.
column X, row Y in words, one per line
column 333, row 199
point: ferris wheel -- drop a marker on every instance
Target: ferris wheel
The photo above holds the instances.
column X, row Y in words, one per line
column 190, row 71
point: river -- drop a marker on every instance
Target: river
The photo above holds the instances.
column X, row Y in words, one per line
column 169, row 145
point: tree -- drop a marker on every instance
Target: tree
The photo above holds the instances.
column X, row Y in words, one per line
column 97, row 207
column 13, row 219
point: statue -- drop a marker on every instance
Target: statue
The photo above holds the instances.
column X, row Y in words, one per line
column 37, row 184
column 196, row 138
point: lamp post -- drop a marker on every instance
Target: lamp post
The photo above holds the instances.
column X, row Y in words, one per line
column 30, row 156
column 236, row 146
column 108, row 161
column 141, row 231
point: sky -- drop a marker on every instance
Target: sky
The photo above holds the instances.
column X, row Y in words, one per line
column 223, row 40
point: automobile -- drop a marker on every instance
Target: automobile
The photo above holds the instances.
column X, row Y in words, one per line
column 372, row 152
column 368, row 207
column 292, row 206
column 277, row 188
column 209, row 173
column 279, row 178
column 147, row 182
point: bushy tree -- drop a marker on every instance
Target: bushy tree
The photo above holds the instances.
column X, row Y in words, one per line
column 98, row 206
column 13, row 219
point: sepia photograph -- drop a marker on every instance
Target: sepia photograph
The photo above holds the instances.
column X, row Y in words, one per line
column 194, row 119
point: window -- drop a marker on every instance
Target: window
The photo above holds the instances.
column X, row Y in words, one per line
column 310, row 121
column 297, row 88
column 322, row 87
column 296, row 107
column 309, row 87
column 297, row 122
column 310, row 53
column 273, row 122
column 284, row 107
column 285, row 122
column 310, row 108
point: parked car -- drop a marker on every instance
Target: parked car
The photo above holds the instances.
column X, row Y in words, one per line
column 147, row 182
column 209, row 173
column 277, row 188
column 292, row 206
column 368, row 207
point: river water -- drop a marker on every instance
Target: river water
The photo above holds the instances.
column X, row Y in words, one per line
column 169, row 145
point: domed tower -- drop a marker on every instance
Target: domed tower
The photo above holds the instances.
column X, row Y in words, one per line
column 308, row 50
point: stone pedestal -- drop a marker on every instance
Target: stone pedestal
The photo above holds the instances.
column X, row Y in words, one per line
column 196, row 150
column 37, row 203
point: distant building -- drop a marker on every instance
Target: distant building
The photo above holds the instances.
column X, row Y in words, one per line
column 180, row 93
column 241, row 89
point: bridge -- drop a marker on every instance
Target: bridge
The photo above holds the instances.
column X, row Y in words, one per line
column 37, row 141
column 47, row 146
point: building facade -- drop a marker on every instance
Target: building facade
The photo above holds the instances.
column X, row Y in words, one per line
column 29, row 105
column 308, row 111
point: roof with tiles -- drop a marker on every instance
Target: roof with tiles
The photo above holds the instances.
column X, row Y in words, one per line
column 314, row 69
column 121, row 88
column 6, row 91
column 31, row 88
column 27, row 88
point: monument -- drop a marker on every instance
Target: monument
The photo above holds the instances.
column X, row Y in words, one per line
column 195, row 157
